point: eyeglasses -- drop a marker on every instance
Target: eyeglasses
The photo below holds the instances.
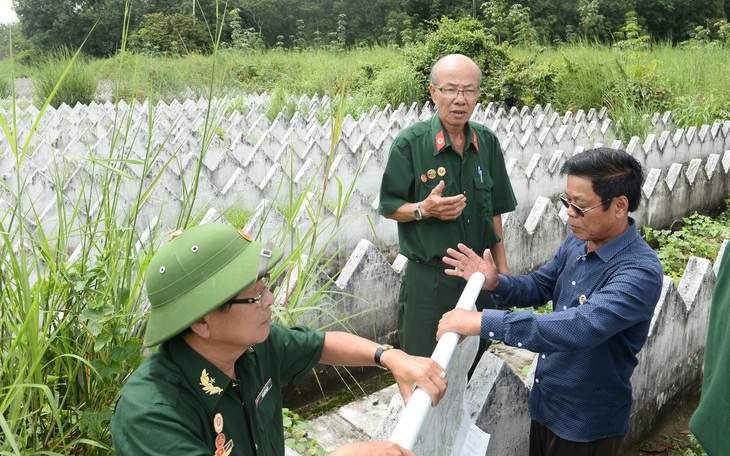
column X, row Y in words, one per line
column 258, row 300
column 579, row 210
column 469, row 94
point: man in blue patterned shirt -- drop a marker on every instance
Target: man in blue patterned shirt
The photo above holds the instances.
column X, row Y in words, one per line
column 604, row 282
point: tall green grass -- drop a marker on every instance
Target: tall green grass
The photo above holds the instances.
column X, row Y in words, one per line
column 72, row 290
column 78, row 82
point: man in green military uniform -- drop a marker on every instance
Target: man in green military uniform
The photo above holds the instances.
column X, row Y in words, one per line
column 445, row 183
column 214, row 385
column 711, row 421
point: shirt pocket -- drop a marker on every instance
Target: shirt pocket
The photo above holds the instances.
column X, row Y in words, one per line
column 428, row 186
column 483, row 194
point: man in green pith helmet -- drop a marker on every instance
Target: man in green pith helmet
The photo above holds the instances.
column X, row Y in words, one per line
column 214, row 385
column 445, row 183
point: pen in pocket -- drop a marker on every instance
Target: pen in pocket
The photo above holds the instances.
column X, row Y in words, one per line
column 479, row 171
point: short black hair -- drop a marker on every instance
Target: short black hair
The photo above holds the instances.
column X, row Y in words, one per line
column 613, row 172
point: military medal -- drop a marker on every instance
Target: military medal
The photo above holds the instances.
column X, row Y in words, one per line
column 441, row 171
column 218, row 423
column 431, row 174
column 423, row 178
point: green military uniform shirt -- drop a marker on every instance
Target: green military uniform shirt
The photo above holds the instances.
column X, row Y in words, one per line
column 710, row 423
column 178, row 403
column 421, row 156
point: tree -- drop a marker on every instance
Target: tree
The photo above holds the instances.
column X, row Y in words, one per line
column 52, row 24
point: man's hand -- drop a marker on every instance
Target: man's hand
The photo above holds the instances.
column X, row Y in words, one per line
column 372, row 449
column 466, row 262
column 461, row 321
column 442, row 207
column 412, row 371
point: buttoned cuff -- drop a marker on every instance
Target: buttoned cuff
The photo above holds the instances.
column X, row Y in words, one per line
column 492, row 324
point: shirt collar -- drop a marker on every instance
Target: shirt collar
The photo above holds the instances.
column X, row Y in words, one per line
column 607, row 251
column 442, row 140
column 209, row 382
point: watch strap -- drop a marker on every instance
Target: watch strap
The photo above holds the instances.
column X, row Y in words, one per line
column 379, row 352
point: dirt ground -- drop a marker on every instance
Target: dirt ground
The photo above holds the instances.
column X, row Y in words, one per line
column 670, row 436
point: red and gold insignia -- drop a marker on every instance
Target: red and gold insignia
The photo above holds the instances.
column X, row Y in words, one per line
column 474, row 137
column 218, row 423
column 245, row 235
column 423, row 178
column 440, row 141
column 441, row 171
column 220, row 440
column 431, row 173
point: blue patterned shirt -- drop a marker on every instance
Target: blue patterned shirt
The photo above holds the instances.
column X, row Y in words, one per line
column 603, row 304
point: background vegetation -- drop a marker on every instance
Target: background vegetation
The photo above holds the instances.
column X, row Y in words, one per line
column 72, row 296
column 173, row 27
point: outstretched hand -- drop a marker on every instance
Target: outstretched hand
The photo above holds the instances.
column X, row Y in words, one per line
column 443, row 207
column 466, row 262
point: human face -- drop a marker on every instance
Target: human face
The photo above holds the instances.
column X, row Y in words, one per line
column 244, row 324
column 455, row 72
column 598, row 226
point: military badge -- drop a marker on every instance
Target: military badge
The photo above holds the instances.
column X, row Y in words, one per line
column 208, row 384
column 441, row 171
column 431, row 174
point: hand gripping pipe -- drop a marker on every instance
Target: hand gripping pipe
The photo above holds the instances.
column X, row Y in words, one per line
column 412, row 418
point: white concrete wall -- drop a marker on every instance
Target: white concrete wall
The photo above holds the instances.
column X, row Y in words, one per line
column 247, row 158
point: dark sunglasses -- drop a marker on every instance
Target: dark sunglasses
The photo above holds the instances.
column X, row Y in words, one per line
column 579, row 210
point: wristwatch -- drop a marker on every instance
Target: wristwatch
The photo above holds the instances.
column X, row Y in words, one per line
column 379, row 352
column 417, row 212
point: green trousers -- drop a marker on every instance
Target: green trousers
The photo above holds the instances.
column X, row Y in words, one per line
column 426, row 293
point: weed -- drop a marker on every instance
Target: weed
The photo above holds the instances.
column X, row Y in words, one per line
column 696, row 235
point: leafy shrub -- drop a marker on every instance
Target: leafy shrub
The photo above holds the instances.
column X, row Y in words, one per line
column 77, row 86
column 177, row 34
column 696, row 235
column 466, row 36
column 524, row 83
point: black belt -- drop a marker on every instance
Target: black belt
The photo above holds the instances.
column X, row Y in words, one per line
column 434, row 263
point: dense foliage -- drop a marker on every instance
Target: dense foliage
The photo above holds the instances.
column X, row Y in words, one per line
column 339, row 24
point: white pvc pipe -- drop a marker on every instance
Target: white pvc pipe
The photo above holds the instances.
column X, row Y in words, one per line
column 410, row 422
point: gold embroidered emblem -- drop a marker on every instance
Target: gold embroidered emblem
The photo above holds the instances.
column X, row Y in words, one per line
column 208, row 384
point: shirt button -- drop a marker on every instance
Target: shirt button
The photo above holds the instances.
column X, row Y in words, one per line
column 519, row 344
column 572, row 283
column 537, row 380
column 565, row 307
column 491, row 333
column 468, row 221
column 464, row 192
column 543, row 356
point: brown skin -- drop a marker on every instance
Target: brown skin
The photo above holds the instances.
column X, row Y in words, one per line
column 460, row 72
column 597, row 227
column 223, row 335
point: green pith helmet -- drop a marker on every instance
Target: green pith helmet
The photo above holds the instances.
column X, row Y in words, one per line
column 197, row 271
